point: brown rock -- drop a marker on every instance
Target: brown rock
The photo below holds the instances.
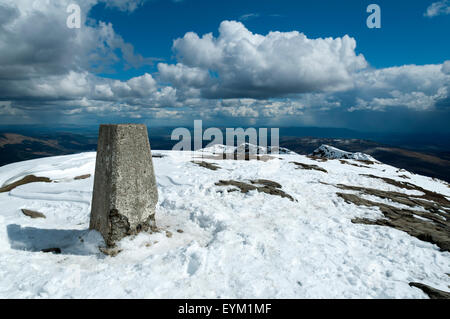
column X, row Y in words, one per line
column 26, row 180
column 32, row 213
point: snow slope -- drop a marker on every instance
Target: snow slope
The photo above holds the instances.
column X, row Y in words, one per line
column 232, row 245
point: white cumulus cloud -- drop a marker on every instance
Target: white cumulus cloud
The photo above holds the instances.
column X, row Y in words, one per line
column 438, row 8
column 243, row 64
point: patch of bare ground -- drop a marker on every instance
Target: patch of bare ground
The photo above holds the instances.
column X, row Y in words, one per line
column 367, row 162
column 32, row 213
column 26, row 180
column 267, row 183
column 318, row 159
column 436, row 230
column 309, row 167
column 211, row 166
column 431, row 225
column 35, row 179
column 428, row 195
column 433, row 293
column 82, row 177
column 261, row 185
column 353, row 164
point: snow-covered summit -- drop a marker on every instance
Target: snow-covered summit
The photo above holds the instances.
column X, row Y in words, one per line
column 330, row 152
column 289, row 227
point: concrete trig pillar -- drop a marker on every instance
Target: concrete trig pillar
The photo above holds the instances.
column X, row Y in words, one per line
column 125, row 192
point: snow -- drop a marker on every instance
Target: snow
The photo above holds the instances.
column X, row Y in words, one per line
column 331, row 152
column 245, row 148
column 219, row 149
column 232, row 245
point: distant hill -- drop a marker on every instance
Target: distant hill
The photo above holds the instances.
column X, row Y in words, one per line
column 426, row 159
column 436, row 164
column 17, row 147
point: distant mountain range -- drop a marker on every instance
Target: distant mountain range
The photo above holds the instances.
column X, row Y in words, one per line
column 17, row 147
column 426, row 157
column 433, row 164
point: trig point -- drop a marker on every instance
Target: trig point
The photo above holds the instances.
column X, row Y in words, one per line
column 125, row 192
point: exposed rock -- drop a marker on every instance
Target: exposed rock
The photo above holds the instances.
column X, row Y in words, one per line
column 368, row 162
column 26, row 180
column 433, row 293
column 244, row 187
column 353, row 164
column 268, row 187
column 266, row 182
column 211, row 166
column 436, row 229
column 52, row 250
column 401, row 198
column 82, row 177
column 168, row 234
column 330, row 152
column 110, row 251
column 316, row 158
column 310, row 167
column 238, row 157
column 32, row 213
column 428, row 195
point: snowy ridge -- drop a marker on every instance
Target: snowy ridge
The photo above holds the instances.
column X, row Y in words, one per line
column 245, row 148
column 216, row 242
column 330, row 152
column 218, row 149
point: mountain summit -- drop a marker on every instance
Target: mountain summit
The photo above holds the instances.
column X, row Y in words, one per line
column 330, row 152
column 289, row 226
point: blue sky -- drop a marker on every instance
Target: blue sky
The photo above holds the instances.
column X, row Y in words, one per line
column 406, row 36
column 233, row 63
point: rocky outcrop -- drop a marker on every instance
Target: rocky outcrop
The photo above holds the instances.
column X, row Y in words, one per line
column 309, row 166
column 32, row 213
column 430, row 225
column 210, row 166
column 433, row 293
column 260, row 185
column 26, row 180
column 330, row 152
